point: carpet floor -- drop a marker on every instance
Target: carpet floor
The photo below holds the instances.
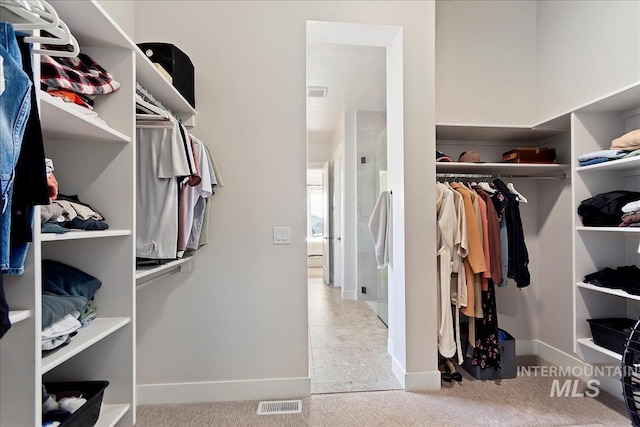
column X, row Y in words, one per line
column 523, row 401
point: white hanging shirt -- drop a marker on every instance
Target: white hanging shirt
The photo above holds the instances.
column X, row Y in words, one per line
column 204, row 189
column 161, row 159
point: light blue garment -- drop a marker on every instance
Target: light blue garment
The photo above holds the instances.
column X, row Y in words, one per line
column 607, row 154
column 633, row 153
column 594, row 161
column 15, row 105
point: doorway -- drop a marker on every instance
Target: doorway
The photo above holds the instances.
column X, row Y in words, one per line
column 348, row 340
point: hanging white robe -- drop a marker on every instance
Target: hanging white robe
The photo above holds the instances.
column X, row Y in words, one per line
column 380, row 226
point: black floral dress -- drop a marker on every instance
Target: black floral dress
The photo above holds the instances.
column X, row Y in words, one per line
column 486, row 353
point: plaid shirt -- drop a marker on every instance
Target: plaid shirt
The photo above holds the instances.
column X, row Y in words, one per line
column 81, row 75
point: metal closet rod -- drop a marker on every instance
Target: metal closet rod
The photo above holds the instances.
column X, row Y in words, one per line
column 489, row 175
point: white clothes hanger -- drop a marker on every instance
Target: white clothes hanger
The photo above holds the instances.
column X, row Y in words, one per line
column 36, row 15
column 486, row 187
column 152, row 110
column 40, row 15
column 512, row 188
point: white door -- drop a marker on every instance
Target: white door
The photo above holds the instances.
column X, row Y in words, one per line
column 337, row 217
column 326, row 233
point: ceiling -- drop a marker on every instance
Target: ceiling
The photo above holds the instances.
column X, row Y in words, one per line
column 356, row 80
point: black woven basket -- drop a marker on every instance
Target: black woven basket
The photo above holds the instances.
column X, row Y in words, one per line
column 87, row 415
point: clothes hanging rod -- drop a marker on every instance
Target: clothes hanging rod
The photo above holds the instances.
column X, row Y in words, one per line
column 487, row 176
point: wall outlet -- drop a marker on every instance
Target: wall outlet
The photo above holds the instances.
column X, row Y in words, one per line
column 364, row 289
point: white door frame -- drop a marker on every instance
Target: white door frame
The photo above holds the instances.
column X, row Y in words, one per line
column 412, row 325
column 338, row 217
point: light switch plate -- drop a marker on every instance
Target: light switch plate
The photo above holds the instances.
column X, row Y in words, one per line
column 281, row 235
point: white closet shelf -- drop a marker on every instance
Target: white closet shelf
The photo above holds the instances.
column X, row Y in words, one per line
column 504, row 169
column 588, row 342
column 145, row 274
column 81, row 234
column 629, row 164
column 609, row 291
column 16, row 316
column 630, row 230
column 90, row 24
column 99, row 329
column 111, row 414
column 497, row 132
column 62, row 122
column 151, row 79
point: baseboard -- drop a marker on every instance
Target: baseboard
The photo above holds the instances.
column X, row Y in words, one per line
column 222, row 391
column 350, row 295
column 579, row 368
column 560, row 358
column 415, row 381
column 526, row 347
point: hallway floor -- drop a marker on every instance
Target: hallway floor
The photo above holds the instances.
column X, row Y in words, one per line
column 347, row 344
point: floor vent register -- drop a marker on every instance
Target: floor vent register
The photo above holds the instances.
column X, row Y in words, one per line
column 275, row 407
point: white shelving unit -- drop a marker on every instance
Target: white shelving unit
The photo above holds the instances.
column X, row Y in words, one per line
column 94, row 161
column 594, row 126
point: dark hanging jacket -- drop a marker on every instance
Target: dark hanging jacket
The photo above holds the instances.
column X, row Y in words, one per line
column 518, row 269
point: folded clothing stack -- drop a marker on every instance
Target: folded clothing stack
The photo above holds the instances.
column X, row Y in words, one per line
column 626, row 278
column 68, row 212
column 66, row 293
column 77, row 81
column 606, row 209
column 628, row 145
column 631, row 214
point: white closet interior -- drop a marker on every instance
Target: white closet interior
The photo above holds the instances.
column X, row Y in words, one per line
column 96, row 162
column 594, row 127
column 561, row 250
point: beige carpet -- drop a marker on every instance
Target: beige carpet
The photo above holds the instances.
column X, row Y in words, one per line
column 523, row 401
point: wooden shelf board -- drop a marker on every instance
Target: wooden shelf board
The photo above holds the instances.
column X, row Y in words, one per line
column 82, row 234
column 147, row 273
column 630, row 230
column 628, row 164
column 99, row 329
column 111, row 414
column 503, row 169
column 62, row 122
column 609, row 291
column 16, row 316
column 588, row 342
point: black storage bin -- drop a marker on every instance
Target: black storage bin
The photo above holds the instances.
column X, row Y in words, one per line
column 87, row 415
column 611, row 333
column 508, row 367
column 176, row 63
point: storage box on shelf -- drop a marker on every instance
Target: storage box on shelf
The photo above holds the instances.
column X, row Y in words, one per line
column 594, row 127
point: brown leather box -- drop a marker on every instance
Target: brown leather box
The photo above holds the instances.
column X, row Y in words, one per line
column 530, row 155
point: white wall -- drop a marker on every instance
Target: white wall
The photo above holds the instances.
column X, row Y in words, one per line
column 486, row 61
column 318, row 151
column 241, row 316
column 586, row 49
